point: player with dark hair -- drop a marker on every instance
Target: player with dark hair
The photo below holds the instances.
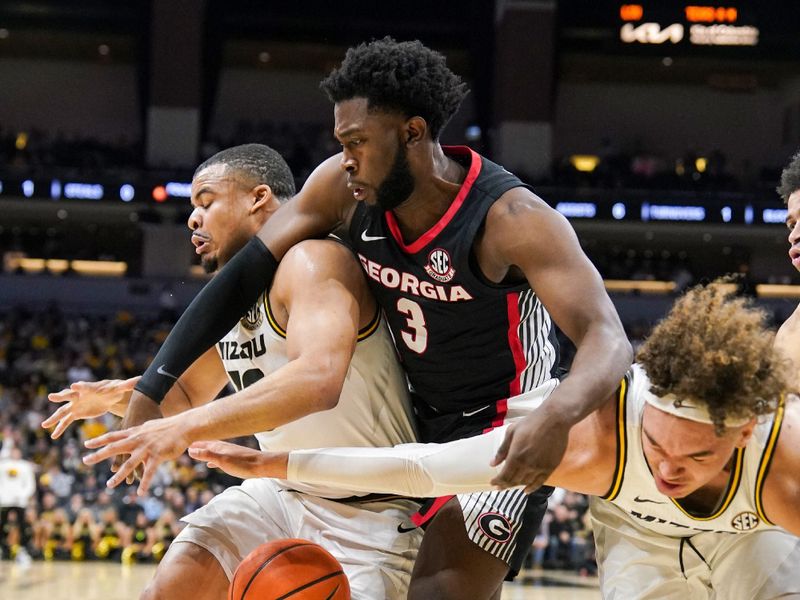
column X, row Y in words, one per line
column 789, row 191
column 468, row 265
column 693, row 465
column 313, row 363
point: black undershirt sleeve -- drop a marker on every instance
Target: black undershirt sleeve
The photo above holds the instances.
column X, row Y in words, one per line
column 212, row 314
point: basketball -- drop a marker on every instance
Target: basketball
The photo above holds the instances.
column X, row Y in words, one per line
column 291, row 568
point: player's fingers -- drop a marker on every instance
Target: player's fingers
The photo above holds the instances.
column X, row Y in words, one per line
column 502, row 451
column 117, row 462
column 57, row 415
column 62, row 426
column 106, row 438
column 109, row 451
column 62, row 396
column 509, row 475
column 216, row 447
column 200, row 453
column 124, row 470
column 150, row 468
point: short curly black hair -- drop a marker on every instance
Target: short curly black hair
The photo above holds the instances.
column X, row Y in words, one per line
column 790, row 179
column 256, row 164
column 405, row 77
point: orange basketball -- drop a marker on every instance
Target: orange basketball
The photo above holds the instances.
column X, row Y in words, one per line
column 292, row 570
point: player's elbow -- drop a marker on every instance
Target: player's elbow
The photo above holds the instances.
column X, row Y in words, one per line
column 329, row 380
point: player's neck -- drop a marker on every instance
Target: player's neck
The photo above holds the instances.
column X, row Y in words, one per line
column 435, row 188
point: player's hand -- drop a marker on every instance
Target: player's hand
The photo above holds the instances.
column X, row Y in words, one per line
column 140, row 409
column 87, row 399
column 532, row 449
column 240, row 461
column 148, row 445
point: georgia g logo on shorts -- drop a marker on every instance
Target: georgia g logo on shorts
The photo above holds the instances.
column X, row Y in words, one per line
column 495, row 526
column 439, row 266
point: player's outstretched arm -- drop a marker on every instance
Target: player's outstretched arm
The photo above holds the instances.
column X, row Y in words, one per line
column 322, row 205
column 421, row 470
column 525, row 235
column 321, row 333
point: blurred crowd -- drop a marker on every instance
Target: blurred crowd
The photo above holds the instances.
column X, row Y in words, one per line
column 34, row 149
column 614, row 167
column 67, row 511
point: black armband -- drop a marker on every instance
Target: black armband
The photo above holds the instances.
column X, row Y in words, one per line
column 212, row 314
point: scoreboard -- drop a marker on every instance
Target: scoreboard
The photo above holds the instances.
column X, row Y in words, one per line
column 729, row 29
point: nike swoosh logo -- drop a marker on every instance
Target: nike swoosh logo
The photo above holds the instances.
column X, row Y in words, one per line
column 371, row 238
column 401, row 529
column 160, row 370
column 643, row 500
column 475, row 412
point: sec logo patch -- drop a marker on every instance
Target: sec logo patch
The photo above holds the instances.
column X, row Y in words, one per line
column 439, row 266
column 745, row 521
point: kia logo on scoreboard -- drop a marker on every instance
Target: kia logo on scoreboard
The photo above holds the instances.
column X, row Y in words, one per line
column 707, row 26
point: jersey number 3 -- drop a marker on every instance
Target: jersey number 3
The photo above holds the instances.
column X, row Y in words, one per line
column 417, row 338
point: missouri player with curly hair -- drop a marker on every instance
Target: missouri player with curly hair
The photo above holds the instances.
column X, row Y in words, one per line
column 714, row 349
column 694, row 463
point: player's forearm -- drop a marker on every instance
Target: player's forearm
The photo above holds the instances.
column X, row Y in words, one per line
column 417, row 470
column 176, row 401
column 299, row 388
column 210, row 316
column 603, row 356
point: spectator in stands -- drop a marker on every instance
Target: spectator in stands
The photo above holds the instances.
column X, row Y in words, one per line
column 17, row 487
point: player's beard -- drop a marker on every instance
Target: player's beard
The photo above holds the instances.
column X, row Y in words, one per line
column 210, row 264
column 399, row 183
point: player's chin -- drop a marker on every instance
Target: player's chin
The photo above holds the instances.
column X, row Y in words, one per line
column 209, row 262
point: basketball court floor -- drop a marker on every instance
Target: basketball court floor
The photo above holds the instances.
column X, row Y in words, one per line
column 110, row 581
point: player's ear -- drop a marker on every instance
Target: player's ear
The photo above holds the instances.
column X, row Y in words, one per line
column 745, row 433
column 415, row 130
column 263, row 198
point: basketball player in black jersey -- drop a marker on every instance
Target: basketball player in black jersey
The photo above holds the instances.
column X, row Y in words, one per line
column 469, row 266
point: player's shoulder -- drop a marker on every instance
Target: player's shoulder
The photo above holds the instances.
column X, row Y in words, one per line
column 781, row 488
column 314, row 260
column 317, row 251
column 785, row 458
column 516, row 206
column 520, row 224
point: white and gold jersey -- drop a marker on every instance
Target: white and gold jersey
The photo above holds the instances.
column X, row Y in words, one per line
column 373, row 409
column 634, row 490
